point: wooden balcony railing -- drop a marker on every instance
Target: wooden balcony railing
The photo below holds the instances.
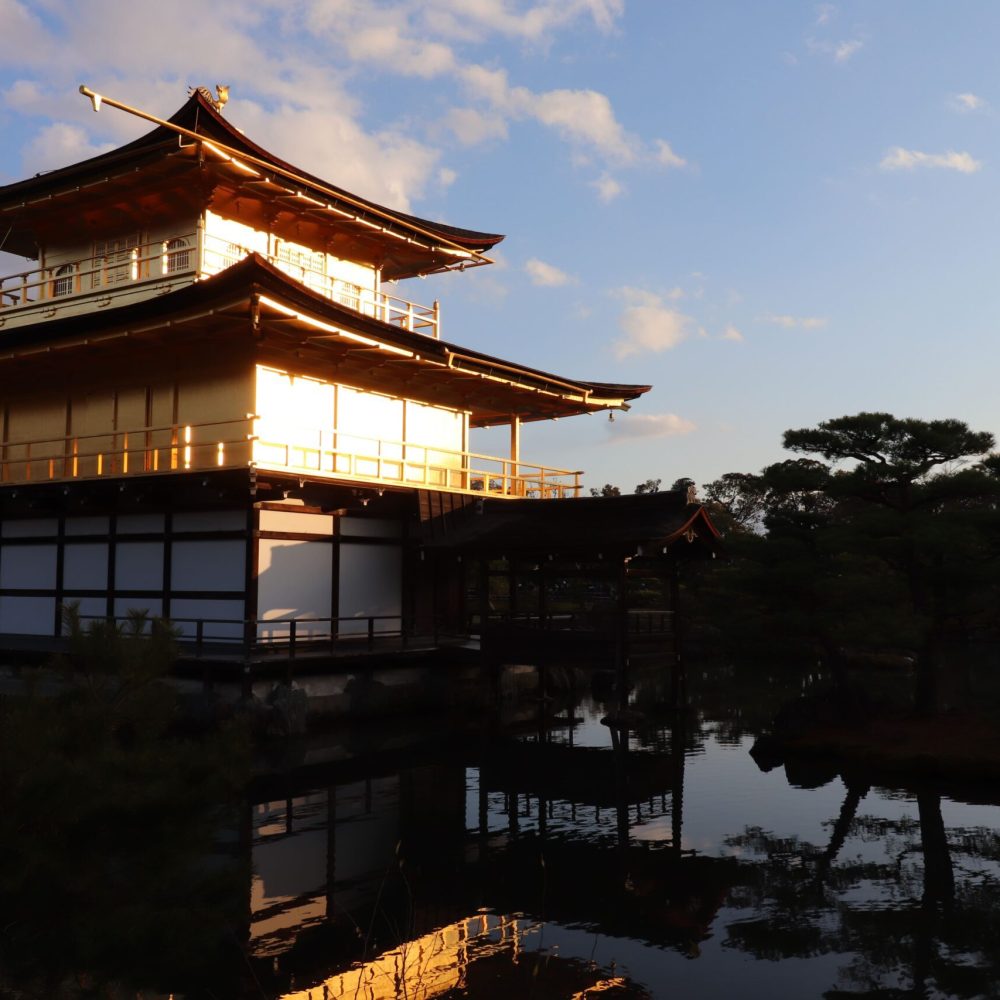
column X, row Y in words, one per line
column 184, row 257
column 145, row 450
column 345, row 455
column 332, row 454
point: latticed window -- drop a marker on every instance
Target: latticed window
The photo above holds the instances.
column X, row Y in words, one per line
column 115, row 260
column 349, row 294
column 178, row 255
column 64, row 280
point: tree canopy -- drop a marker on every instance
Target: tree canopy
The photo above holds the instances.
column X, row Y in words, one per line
column 883, row 535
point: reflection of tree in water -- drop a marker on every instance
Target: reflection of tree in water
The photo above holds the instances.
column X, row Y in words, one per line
column 922, row 920
column 111, row 871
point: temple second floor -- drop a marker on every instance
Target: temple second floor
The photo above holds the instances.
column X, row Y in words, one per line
column 78, row 277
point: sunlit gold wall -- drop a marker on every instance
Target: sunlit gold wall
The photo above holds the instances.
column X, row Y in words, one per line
column 128, row 427
column 308, row 420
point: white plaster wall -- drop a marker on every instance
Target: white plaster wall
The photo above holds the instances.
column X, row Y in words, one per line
column 295, row 580
column 137, row 524
column 87, row 525
column 27, row 615
column 32, row 528
column 293, row 521
column 85, row 567
column 371, row 583
column 139, row 566
column 28, row 567
column 208, row 565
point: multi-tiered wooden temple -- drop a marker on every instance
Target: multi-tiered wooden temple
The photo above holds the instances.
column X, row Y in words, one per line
column 214, row 407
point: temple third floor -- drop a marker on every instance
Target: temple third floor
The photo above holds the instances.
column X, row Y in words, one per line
column 133, row 265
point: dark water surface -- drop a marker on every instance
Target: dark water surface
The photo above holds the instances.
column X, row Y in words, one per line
column 555, row 856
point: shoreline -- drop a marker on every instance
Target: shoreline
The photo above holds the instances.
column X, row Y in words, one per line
column 954, row 750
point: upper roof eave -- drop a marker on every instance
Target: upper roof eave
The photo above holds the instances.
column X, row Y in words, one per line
column 198, row 115
column 253, row 277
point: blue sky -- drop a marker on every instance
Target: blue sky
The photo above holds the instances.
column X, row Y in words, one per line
column 774, row 212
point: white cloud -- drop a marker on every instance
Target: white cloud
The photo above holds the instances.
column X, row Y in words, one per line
column 648, row 324
column 475, row 20
column 825, row 12
column 384, row 43
column 447, row 177
column 795, row 322
column 583, row 118
column 387, row 166
column 296, row 70
column 899, row 158
column 607, row 187
column 969, row 102
column 24, row 96
column 840, row 52
column 665, row 156
column 650, row 425
column 547, row 275
column 472, row 127
column 57, row 144
column 843, row 51
column 732, row 333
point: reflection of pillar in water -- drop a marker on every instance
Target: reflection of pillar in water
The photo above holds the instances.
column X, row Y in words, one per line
column 939, row 880
column 677, row 741
column 484, row 805
column 331, row 847
column 939, row 888
column 245, row 835
column 620, row 751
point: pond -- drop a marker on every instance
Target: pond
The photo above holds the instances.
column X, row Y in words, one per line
column 554, row 854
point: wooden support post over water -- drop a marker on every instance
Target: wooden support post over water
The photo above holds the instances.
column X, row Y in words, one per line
column 621, row 635
column 678, row 673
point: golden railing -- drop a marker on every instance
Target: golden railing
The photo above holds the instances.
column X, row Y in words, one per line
column 345, row 455
column 333, row 454
column 189, row 255
column 145, row 450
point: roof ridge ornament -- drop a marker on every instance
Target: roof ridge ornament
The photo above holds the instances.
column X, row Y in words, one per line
column 219, row 102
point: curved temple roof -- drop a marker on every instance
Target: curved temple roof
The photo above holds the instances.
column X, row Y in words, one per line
column 635, row 524
column 286, row 318
column 405, row 245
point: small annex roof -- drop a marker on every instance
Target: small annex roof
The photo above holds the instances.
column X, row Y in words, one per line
column 257, row 302
column 650, row 524
column 228, row 168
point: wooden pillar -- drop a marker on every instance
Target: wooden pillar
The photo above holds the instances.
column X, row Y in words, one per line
column 678, row 675
column 621, row 631
column 515, row 453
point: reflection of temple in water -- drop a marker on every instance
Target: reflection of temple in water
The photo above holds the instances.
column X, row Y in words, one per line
column 405, row 880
